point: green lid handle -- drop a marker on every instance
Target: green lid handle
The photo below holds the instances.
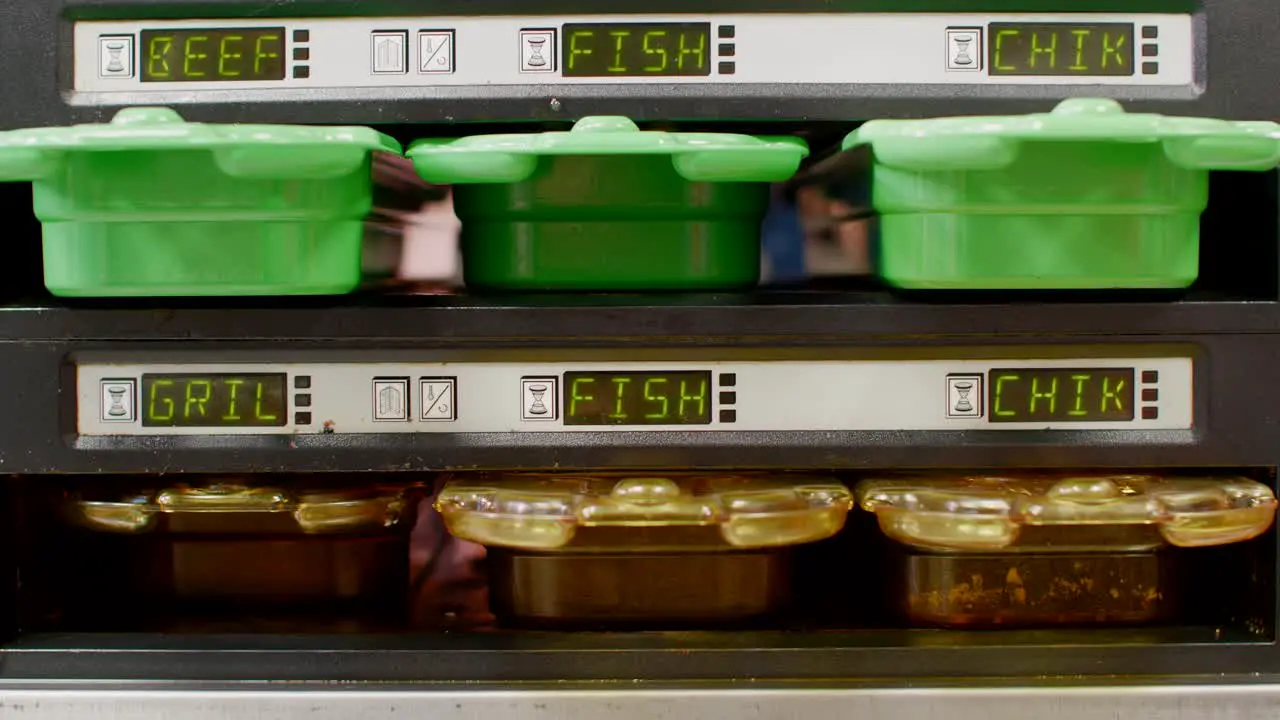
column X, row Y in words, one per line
column 777, row 159
column 284, row 162
column 481, row 167
column 1082, row 107
column 605, row 124
column 755, row 165
column 1227, row 152
column 926, row 153
column 22, row 164
column 147, row 116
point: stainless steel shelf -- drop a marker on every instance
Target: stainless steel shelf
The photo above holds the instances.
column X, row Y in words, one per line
column 1207, row 702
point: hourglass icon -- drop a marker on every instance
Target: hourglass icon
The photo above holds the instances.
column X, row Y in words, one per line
column 538, row 407
column 117, row 400
column 964, row 46
column 963, row 396
column 114, row 63
column 115, row 57
column 538, row 399
column 963, row 59
column 536, row 45
column 537, row 50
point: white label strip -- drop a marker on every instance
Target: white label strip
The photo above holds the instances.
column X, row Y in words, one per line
column 749, row 396
column 750, row 49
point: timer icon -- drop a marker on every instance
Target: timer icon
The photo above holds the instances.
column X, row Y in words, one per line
column 115, row 406
column 963, row 388
column 114, row 63
column 539, row 399
column 117, row 400
column 962, row 58
column 538, row 50
column 964, row 49
column 115, row 56
column 538, row 407
column 964, row 396
column 536, row 59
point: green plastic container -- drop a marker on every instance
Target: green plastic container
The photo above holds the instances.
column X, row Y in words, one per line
column 608, row 207
column 1084, row 197
column 149, row 205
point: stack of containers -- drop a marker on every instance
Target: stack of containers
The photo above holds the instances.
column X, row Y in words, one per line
column 609, row 207
column 231, row 544
column 1048, row 551
column 609, row 550
column 149, row 205
column 1084, row 197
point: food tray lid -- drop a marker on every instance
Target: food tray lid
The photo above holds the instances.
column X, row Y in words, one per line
column 988, row 143
column 989, row 512
column 275, row 151
column 313, row 512
column 697, row 157
column 545, row 511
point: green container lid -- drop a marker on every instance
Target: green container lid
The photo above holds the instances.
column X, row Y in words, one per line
column 697, row 157
column 609, row 207
column 150, row 205
column 1087, row 196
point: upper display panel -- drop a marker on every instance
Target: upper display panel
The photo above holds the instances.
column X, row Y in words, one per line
column 168, row 58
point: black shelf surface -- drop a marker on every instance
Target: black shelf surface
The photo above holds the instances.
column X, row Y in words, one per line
column 790, row 316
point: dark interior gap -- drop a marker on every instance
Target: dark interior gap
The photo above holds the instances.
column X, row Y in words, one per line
column 844, row 592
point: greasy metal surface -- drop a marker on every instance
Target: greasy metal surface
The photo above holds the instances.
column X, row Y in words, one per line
column 1205, row 702
column 881, row 658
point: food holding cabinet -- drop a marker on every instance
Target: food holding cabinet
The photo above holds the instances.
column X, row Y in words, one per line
column 774, row 358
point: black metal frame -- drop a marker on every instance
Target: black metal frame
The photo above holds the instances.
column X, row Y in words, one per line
column 1238, row 375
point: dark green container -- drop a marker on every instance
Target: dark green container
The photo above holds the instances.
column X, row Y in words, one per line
column 607, row 207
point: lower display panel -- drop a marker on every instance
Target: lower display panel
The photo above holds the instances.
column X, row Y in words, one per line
column 1006, row 389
